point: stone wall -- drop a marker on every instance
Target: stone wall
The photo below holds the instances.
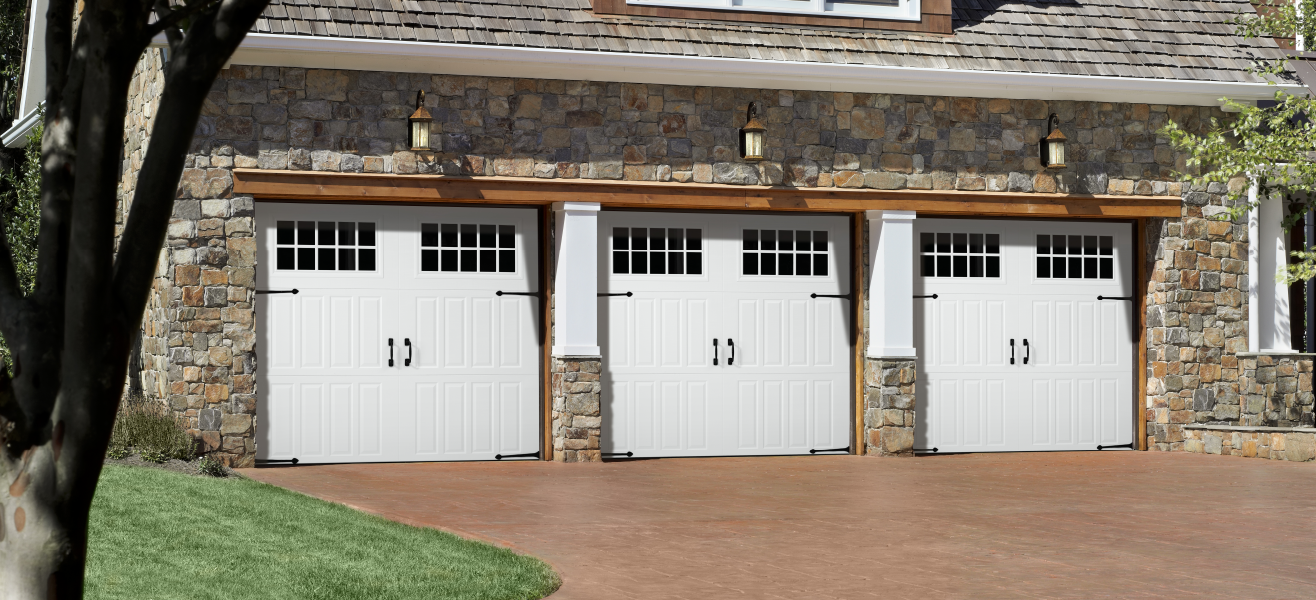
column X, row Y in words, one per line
column 577, row 418
column 350, row 121
column 889, row 390
column 1273, row 443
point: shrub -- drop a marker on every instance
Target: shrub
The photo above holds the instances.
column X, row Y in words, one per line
column 152, row 430
column 212, row 466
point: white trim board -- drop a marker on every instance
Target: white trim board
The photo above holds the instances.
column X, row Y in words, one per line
column 16, row 136
column 273, row 50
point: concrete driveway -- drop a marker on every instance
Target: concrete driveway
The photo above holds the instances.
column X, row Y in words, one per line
column 1042, row 525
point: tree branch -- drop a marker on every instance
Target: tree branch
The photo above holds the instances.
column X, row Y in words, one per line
column 168, row 18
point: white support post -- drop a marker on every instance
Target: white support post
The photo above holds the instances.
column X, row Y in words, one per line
column 1269, row 328
column 891, row 290
column 576, row 279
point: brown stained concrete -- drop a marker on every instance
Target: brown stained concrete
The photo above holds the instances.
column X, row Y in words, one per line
column 1043, row 525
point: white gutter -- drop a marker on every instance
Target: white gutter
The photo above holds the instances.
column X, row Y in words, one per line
column 260, row 49
column 16, row 136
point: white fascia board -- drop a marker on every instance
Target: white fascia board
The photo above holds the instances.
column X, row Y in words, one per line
column 273, row 50
column 16, row 136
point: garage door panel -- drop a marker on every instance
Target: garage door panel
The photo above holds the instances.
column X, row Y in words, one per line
column 698, row 339
column 698, row 416
column 749, row 351
column 484, row 333
column 340, row 419
column 512, row 330
column 826, row 326
column 369, row 419
column 371, row 346
column 312, row 333
column 311, row 417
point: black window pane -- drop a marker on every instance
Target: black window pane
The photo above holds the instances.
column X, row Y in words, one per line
column 1075, row 244
column 802, row 263
column 993, row 243
column 694, row 263
column 750, row 264
column 675, row 239
column 640, row 263
column 506, row 236
column 286, row 259
column 993, row 266
column 927, row 243
column 1089, row 244
column 658, row 263
column 657, row 239
column 365, row 259
column 975, row 243
column 1089, row 268
column 507, row 261
column 1057, row 268
column 1044, row 247
column 1107, row 245
column 750, row 239
column 429, row 260
column 820, row 265
column 448, row 261
column 306, row 259
column 306, row 233
column 785, row 241
column 429, row 236
column 347, row 234
column 961, row 266
column 1043, row 267
column 1075, row 268
column 467, row 233
column 467, row 259
column 768, row 264
column 693, row 240
column 676, row 263
column 488, row 260
column 802, row 241
column 620, row 238
column 975, row 266
column 448, row 235
column 1058, row 244
column 365, row 236
column 960, row 242
column 488, row 236
column 943, row 266
column 929, row 265
column 639, row 239
column 346, row 259
column 1107, row 268
column 285, row 235
column 326, row 257
column 621, row 261
column 328, row 230
column 820, row 241
column 768, row 241
column 785, row 264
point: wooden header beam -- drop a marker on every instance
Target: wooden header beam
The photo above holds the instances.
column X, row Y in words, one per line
column 385, row 187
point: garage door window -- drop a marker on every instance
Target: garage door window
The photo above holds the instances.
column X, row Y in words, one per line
column 1075, row 257
column 784, row 252
column 657, row 251
column 324, row 246
column 467, row 248
column 960, row 254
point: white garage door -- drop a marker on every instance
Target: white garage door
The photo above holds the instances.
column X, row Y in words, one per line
column 1027, row 344
column 712, row 342
column 396, row 346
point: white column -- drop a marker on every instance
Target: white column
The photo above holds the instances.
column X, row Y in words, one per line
column 891, row 290
column 576, row 279
column 1267, row 255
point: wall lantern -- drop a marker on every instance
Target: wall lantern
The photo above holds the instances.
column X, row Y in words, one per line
column 751, row 135
column 420, row 125
column 1053, row 145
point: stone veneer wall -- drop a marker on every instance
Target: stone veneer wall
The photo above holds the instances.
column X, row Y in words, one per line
column 577, row 418
column 889, row 390
column 201, row 357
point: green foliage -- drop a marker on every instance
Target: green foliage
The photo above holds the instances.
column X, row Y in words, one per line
column 22, row 211
column 150, row 429
column 117, row 452
column 209, row 465
column 13, row 16
column 159, row 535
column 1275, row 146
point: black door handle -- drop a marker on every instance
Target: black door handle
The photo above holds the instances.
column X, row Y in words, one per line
column 1027, row 351
column 731, row 344
column 390, row 352
column 715, row 352
column 407, row 342
column 1011, row 350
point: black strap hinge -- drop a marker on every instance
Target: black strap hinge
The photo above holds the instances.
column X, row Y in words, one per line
column 502, row 293
column 627, row 294
column 266, row 461
column 846, row 296
column 1128, row 445
column 627, row 454
column 291, row 291
column 1129, row 298
column 534, row 454
column 933, row 450
column 817, row 450
column 933, row 296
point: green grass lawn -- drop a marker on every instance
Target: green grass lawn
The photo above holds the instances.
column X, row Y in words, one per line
column 159, row 534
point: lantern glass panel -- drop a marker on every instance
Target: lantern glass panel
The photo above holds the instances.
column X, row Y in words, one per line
column 420, row 134
column 1055, row 152
column 753, row 144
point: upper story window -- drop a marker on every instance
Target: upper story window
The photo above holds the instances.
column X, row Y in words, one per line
column 904, row 10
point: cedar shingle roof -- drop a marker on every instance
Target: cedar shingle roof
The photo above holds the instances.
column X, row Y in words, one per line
column 1162, row 39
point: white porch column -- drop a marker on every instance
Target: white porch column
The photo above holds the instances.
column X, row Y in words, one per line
column 576, row 279
column 1267, row 255
column 891, row 290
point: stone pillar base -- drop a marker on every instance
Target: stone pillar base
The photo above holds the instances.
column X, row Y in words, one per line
column 576, row 418
column 889, row 406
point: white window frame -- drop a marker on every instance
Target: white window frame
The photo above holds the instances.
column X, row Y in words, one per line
column 905, row 10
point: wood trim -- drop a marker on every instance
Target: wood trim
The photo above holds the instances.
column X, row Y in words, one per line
column 1140, row 289
column 857, row 326
column 936, row 16
column 546, row 333
column 383, row 187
